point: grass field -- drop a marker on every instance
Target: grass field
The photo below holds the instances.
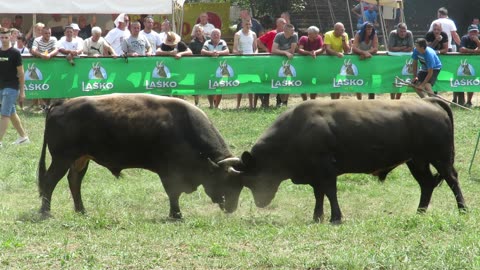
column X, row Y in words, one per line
column 126, row 225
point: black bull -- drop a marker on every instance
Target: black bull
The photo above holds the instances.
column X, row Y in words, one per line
column 316, row 141
column 167, row 136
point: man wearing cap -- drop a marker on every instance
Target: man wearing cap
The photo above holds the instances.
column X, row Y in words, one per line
column 469, row 44
column 116, row 36
column 173, row 46
column 136, row 44
column 430, row 67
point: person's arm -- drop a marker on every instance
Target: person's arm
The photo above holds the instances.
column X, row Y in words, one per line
column 262, row 45
column 276, row 50
column 21, row 84
column 374, row 48
column 109, row 49
column 186, row 52
column 455, row 37
column 225, row 51
column 255, row 42
column 236, row 40
column 414, row 70
column 293, row 47
column 345, row 43
column 444, row 48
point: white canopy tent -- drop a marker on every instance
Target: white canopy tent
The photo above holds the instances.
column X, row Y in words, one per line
column 174, row 7
column 87, row 7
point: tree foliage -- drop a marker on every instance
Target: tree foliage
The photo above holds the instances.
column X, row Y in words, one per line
column 265, row 7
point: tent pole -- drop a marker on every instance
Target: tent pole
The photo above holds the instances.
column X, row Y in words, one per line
column 382, row 24
column 350, row 17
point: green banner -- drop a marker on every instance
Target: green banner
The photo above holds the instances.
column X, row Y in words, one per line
column 56, row 78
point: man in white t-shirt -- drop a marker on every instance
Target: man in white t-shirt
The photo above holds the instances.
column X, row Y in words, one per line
column 207, row 27
column 151, row 35
column 69, row 47
column 116, row 36
column 448, row 26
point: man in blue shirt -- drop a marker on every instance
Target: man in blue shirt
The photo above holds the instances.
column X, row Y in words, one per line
column 430, row 67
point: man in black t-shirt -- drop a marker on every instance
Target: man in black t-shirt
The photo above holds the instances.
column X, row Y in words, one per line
column 173, row 46
column 470, row 44
column 437, row 39
column 12, row 82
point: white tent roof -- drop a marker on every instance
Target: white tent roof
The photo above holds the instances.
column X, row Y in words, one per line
column 87, row 7
column 388, row 3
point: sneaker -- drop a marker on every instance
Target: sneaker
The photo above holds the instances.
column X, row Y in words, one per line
column 468, row 104
column 1, row 145
column 22, row 140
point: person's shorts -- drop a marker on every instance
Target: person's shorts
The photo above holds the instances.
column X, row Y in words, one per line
column 8, row 97
column 423, row 74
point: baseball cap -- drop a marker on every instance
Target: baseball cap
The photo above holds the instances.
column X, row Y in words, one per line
column 473, row 27
column 74, row 26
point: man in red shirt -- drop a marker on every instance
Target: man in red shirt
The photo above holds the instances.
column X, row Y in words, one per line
column 266, row 40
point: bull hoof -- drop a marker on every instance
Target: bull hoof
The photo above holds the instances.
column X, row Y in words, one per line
column 318, row 219
column 175, row 216
column 45, row 215
column 421, row 210
column 336, row 222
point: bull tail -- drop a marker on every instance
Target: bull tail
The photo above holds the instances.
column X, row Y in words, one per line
column 42, row 168
column 448, row 110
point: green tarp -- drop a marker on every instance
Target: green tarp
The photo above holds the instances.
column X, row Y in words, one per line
column 56, row 78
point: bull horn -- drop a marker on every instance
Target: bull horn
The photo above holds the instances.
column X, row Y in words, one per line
column 232, row 170
column 230, row 162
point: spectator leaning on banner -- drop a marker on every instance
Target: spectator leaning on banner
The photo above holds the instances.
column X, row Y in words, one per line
column 136, row 44
column 337, row 44
column 285, row 43
column 215, row 47
column 96, row 45
column 469, row 43
column 116, row 36
column 437, row 39
column 152, row 36
column 245, row 42
column 311, row 45
column 265, row 42
column 173, row 46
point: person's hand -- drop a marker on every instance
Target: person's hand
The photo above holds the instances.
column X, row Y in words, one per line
column 340, row 55
column 313, row 54
column 289, row 55
column 438, row 38
column 178, row 56
column 21, row 97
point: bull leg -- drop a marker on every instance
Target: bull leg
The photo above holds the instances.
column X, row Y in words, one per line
column 173, row 197
column 448, row 172
column 331, row 193
column 421, row 172
column 319, row 196
column 75, row 176
column 49, row 181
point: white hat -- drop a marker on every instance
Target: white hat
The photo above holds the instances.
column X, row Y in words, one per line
column 74, row 26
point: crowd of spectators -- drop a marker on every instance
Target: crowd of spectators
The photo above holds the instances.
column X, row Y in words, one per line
column 145, row 37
